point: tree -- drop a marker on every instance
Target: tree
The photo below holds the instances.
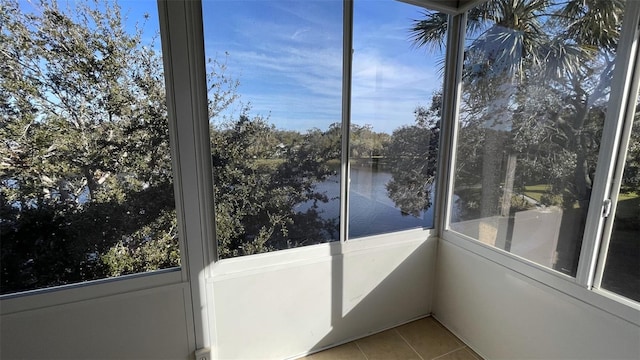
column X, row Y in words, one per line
column 364, row 143
column 87, row 189
column 412, row 155
column 258, row 191
column 511, row 43
column 85, row 153
column 86, row 170
column 536, row 81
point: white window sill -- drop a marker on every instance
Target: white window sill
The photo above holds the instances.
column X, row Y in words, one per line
column 537, row 275
column 229, row 268
column 60, row 295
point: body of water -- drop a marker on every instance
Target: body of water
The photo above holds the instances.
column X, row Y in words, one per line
column 371, row 211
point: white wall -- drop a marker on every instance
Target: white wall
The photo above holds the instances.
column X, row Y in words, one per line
column 274, row 305
column 292, row 307
column 284, row 304
column 504, row 315
column 146, row 324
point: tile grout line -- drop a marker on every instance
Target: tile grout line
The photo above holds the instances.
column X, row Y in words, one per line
column 450, row 352
column 362, row 352
column 474, row 354
column 464, row 345
column 405, row 340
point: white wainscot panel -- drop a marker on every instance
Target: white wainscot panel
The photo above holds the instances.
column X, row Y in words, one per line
column 288, row 310
column 147, row 324
column 504, row 315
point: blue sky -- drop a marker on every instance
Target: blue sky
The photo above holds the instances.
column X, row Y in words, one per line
column 288, row 58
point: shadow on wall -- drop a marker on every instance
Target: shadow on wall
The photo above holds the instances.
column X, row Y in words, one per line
column 361, row 304
column 282, row 304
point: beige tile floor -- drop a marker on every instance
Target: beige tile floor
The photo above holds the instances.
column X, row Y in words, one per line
column 424, row 339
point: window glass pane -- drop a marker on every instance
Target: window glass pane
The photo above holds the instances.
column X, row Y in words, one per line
column 274, row 80
column 395, row 114
column 622, row 267
column 86, row 182
column 536, row 86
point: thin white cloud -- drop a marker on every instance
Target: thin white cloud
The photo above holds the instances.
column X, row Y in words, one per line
column 299, row 34
column 292, row 71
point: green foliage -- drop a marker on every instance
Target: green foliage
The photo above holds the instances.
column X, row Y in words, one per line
column 631, row 175
column 85, row 154
column 256, row 204
column 85, row 163
column 413, row 154
column 364, row 143
column 519, row 203
column 538, row 71
column 550, row 200
column 146, row 249
column 86, row 167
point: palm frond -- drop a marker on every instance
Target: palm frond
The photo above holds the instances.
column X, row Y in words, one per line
column 511, row 37
column 561, row 58
column 593, row 22
column 429, row 32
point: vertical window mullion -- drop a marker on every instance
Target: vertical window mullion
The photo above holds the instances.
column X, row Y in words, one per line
column 181, row 27
column 618, row 99
column 449, row 122
column 347, row 65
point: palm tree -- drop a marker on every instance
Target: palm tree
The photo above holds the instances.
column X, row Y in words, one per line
column 511, row 42
column 512, row 34
column 541, row 66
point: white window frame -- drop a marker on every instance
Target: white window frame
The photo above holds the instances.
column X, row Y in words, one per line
column 624, row 85
column 626, row 124
column 221, row 268
column 181, row 124
column 182, row 38
column 183, row 54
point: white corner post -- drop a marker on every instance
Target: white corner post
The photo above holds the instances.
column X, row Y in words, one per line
column 185, row 76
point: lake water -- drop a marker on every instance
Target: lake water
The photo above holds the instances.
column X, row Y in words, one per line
column 371, row 211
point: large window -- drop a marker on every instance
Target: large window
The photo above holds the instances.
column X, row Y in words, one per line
column 85, row 168
column 395, row 118
column 537, row 81
column 274, row 81
column 536, row 86
column 86, row 176
column 275, row 89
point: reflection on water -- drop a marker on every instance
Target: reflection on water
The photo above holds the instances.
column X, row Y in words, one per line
column 371, row 211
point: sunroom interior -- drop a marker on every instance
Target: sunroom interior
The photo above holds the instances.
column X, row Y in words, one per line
column 530, row 280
